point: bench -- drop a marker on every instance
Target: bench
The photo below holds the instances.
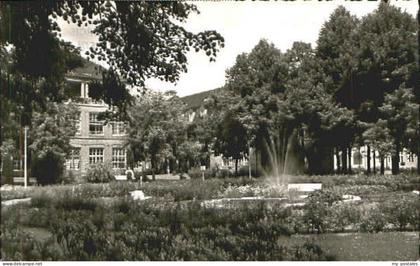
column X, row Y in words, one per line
column 125, row 177
column 121, row 177
column 305, row 187
column 21, row 180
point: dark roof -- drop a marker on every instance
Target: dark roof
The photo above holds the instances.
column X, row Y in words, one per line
column 194, row 101
column 89, row 70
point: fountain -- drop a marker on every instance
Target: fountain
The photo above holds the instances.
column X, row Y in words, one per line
column 275, row 173
column 276, row 189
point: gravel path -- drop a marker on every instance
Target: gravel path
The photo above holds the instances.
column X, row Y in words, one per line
column 14, row 201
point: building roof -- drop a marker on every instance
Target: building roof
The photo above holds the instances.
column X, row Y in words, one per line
column 89, row 71
column 194, row 101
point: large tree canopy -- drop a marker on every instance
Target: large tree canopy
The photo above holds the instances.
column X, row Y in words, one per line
column 139, row 40
column 157, row 128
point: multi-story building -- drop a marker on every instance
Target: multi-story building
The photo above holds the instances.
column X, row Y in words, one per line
column 359, row 160
column 95, row 140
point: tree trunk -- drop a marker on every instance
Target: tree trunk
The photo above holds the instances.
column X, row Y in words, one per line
column 382, row 165
column 153, row 163
column 337, row 158
column 418, row 65
column 301, row 155
column 256, row 162
column 396, row 159
column 418, row 159
column 349, row 167
column 249, row 162
column 344, row 161
column 236, row 166
column 374, row 162
column 368, row 160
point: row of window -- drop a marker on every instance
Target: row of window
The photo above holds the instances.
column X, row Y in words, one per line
column 357, row 158
column 96, row 155
column 96, row 126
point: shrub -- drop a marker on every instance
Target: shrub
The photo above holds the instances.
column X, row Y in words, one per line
column 296, row 222
column 7, row 171
column 197, row 173
column 223, row 173
column 153, row 230
column 318, row 208
column 401, row 211
column 48, row 168
column 69, row 177
column 141, row 175
column 372, row 220
column 41, row 201
column 342, row 215
column 243, row 171
column 17, row 245
column 324, row 196
column 76, row 203
column 100, row 173
column 311, row 252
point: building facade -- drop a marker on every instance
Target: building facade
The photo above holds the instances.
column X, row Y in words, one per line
column 95, row 141
column 359, row 160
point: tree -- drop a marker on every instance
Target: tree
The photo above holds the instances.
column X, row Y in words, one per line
column 258, row 79
column 415, row 140
column 50, row 135
column 312, row 110
column 138, row 40
column 205, row 128
column 231, row 139
column 156, row 128
column 189, row 155
column 378, row 136
column 386, row 59
column 336, row 49
column 7, row 152
column 398, row 110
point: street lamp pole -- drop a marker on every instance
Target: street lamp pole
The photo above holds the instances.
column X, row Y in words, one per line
column 25, row 162
column 249, row 162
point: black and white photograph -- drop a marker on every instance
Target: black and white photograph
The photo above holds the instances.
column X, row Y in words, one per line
column 210, row 131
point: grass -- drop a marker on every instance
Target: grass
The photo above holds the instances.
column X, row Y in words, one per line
column 383, row 246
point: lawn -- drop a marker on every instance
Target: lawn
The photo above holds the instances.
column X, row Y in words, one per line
column 382, row 246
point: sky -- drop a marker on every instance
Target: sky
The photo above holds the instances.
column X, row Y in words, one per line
column 243, row 24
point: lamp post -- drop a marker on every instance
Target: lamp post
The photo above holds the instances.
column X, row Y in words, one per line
column 25, row 162
column 249, row 162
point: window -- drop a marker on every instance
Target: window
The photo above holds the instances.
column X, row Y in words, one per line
column 78, row 125
column 357, row 158
column 96, row 155
column 73, row 159
column 118, row 158
column 84, row 92
column 411, row 158
column 118, row 128
column 96, row 127
column 17, row 164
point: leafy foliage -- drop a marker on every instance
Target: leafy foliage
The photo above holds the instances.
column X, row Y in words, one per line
column 48, row 168
column 99, row 173
column 51, row 130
